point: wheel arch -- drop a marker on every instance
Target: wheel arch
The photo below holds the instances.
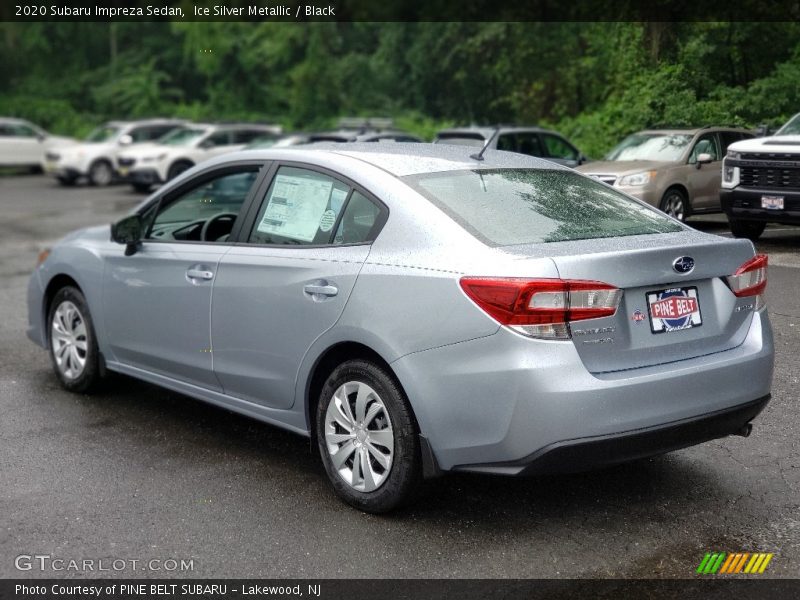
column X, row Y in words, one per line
column 326, row 362
column 333, row 356
column 177, row 161
column 57, row 282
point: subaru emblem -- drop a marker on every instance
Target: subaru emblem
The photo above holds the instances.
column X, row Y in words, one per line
column 683, row 264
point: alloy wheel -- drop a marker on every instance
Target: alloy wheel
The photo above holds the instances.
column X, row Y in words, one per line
column 674, row 206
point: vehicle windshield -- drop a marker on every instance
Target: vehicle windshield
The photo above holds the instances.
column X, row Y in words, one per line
column 791, row 128
column 103, row 134
column 181, row 137
column 505, row 207
column 666, row 147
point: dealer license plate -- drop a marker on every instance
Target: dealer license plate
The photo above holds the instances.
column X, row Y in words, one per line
column 674, row 309
column 772, row 202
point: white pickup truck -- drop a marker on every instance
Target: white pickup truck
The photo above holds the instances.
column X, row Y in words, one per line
column 761, row 181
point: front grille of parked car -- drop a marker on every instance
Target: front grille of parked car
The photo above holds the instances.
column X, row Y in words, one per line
column 770, row 156
column 766, row 177
column 52, row 156
column 126, row 162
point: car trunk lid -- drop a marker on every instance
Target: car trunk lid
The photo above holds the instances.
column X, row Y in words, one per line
column 664, row 315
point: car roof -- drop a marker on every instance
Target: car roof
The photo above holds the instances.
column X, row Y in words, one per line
column 401, row 158
column 14, row 120
column 486, row 132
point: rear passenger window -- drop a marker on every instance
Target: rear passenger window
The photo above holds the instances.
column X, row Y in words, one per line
column 301, row 207
column 305, row 207
column 358, row 220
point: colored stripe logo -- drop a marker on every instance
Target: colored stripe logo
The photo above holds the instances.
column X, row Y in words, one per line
column 723, row 563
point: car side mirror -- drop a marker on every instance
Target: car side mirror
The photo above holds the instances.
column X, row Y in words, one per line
column 125, row 140
column 206, row 144
column 128, row 231
column 703, row 159
column 582, row 159
column 41, row 137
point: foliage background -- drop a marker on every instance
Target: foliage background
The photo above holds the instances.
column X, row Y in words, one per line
column 594, row 82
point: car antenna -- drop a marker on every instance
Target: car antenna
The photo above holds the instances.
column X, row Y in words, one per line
column 479, row 155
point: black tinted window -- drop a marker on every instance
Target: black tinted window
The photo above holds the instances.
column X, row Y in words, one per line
column 522, row 143
column 558, row 147
column 245, row 136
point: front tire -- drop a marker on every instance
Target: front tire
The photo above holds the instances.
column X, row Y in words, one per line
column 142, row 188
column 177, row 168
column 66, row 180
column 675, row 204
column 367, row 437
column 751, row 230
column 101, row 173
column 73, row 344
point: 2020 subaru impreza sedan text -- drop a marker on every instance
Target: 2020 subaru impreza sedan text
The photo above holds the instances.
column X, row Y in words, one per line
column 415, row 310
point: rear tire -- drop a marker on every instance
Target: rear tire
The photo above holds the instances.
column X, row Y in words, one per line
column 751, row 230
column 72, row 341
column 101, row 173
column 675, row 204
column 367, row 437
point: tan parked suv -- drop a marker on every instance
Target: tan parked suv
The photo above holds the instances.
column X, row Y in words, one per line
column 676, row 170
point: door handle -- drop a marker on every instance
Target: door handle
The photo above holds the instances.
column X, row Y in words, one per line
column 321, row 290
column 199, row 274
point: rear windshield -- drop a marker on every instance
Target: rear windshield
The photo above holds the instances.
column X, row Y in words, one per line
column 505, row 207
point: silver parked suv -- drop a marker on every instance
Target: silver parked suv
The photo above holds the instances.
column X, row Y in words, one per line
column 676, row 170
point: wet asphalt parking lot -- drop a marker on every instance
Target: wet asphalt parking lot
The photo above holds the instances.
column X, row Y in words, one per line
column 140, row 473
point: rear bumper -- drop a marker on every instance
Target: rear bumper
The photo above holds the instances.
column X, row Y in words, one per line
column 583, row 454
column 504, row 400
column 745, row 204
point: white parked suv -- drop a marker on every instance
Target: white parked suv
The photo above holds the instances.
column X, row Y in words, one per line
column 153, row 164
column 95, row 158
column 23, row 144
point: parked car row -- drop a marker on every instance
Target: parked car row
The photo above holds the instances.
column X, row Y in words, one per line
column 678, row 170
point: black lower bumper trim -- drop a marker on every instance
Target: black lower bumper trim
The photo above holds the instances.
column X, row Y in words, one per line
column 584, row 454
column 745, row 205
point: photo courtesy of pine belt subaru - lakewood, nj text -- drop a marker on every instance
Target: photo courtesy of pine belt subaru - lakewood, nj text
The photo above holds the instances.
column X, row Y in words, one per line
column 417, row 309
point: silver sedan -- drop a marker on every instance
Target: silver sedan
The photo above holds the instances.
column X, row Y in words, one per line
column 417, row 309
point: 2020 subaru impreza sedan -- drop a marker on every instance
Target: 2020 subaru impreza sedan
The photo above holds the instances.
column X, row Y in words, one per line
column 417, row 309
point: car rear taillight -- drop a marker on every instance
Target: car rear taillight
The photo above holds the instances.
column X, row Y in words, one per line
column 542, row 308
column 750, row 279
